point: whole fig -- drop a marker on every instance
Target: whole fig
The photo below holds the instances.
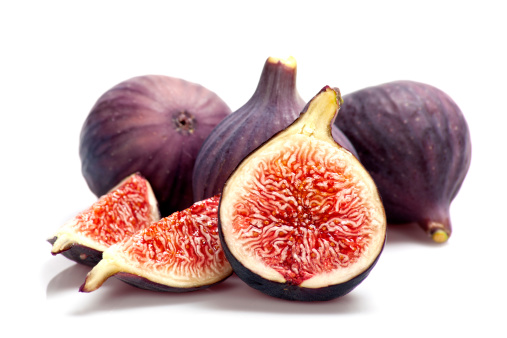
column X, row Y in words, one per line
column 415, row 142
column 154, row 125
column 274, row 105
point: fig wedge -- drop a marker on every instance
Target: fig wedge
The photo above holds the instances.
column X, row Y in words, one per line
column 127, row 208
column 179, row 253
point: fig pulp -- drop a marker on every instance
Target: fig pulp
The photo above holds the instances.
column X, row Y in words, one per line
column 179, row 253
column 274, row 105
column 127, row 208
column 150, row 124
column 415, row 142
column 300, row 218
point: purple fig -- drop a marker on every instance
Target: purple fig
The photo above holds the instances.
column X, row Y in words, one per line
column 154, row 125
column 274, row 105
column 415, row 142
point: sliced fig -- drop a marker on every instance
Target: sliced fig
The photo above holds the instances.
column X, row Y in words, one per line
column 179, row 253
column 274, row 105
column 415, row 142
column 154, row 125
column 127, row 208
column 300, row 218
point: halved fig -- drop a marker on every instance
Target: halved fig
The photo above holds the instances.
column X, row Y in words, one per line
column 127, row 208
column 300, row 218
column 179, row 253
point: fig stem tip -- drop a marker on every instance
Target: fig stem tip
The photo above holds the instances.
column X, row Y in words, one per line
column 440, row 236
column 288, row 62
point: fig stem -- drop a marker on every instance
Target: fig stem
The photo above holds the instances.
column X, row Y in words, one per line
column 278, row 80
column 98, row 275
column 320, row 112
column 289, row 62
column 62, row 243
column 440, row 236
column 439, row 231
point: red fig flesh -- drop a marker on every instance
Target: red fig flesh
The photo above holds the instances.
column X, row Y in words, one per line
column 179, row 253
column 127, row 208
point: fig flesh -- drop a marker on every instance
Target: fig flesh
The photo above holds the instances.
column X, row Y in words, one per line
column 150, row 124
column 127, row 208
column 179, row 253
column 415, row 142
column 300, row 218
column 274, row 105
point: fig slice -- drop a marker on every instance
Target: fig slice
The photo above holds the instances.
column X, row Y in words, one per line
column 300, row 218
column 127, row 208
column 179, row 253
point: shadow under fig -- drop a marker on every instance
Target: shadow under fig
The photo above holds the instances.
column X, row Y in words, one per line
column 114, row 294
column 243, row 298
column 67, row 280
column 230, row 295
column 409, row 233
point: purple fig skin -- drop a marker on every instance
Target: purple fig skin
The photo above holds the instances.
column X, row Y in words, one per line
column 415, row 142
column 295, row 292
column 81, row 254
column 154, row 125
column 274, row 105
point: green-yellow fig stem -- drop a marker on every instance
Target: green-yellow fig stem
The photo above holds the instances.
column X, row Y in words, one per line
column 440, row 231
column 440, row 236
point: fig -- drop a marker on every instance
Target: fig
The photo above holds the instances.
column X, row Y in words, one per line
column 274, row 105
column 127, row 208
column 179, row 253
column 154, row 125
column 300, row 218
column 415, row 142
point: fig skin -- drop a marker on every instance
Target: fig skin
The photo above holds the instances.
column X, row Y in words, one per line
column 415, row 142
column 274, row 105
column 316, row 127
column 295, row 292
column 81, row 254
column 154, row 125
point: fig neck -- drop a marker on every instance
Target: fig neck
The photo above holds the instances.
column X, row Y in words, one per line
column 277, row 81
column 319, row 114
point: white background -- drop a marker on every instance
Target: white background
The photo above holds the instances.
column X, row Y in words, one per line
column 58, row 57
